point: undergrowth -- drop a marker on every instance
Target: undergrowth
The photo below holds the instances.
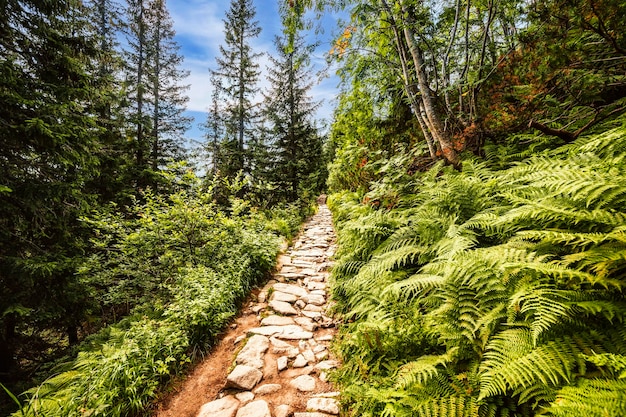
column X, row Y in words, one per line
column 180, row 265
column 487, row 292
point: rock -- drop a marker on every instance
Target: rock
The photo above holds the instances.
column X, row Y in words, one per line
column 258, row 308
column 300, row 304
column 291, row 289
column 316, row 286
column 266, row 330
column 240, row 339
column 280, row 343
column 244, row 397
column 224, row 407
column 324, row 405
column 283, row 296
column 321, row 355
column 314, row 414
column 313, row 307
column 326, row 365
column 262, row 297
column 252, row 353
column 282, row 411
column 267, row 389
column 312, row 314
column 295, row 335
column 306, row 323
column 258, row 408
column 283, row 308
column 304, row 383
column 324, row 338
column 300, row 362
column 244, row 377
column 277, row 321
column 281, row 363
column 309, row 356
column 316, row 300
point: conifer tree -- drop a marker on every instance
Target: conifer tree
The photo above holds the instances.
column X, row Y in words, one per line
column 238, row 73
column 156, row 97
column 167, row 99
column 47, row 153
column 296, row 145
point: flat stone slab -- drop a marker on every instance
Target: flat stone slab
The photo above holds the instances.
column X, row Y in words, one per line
column 314, row 299
column 253, row 352
column 315, row 414
column 323, row 405
column 303, row 335
column 267, row 389
column 244, row 377
column 304, row 383
column 326, row 365
column 224, row 407
column 290, row 289
column 277, row 321
column 283, row 308
column 282, row 411
column 283, row 296
column 258, row 408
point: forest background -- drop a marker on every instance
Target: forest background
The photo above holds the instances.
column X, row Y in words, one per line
column 476, row 165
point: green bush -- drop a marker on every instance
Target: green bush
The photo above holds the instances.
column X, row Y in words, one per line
column 181, row 266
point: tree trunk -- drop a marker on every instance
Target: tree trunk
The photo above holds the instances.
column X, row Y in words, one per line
column 434, row 121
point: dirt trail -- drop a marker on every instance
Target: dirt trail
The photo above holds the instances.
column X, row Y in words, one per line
column 273, row 362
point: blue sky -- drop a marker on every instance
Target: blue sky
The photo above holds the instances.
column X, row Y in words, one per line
column 200, row 31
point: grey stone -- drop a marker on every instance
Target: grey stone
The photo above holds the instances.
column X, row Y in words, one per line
column 291, row 289
column 282, row 411
column 281, row 363
column 266, row 330
column 283, row 296
column 316, row 300
column 300, row 304
column 267, row 389
column 224, row 407
column 312, row 314
column 313, row 307
column 252, row 353
column 313, row 414
column 316, row 286
column 324, row 405
column 326, row 365
column 245, row 397
column 306, row 323
column 244, row 377
column 304, row 383
column 295, row 335
column 277, row 321
column 283, row 308
column 300, row 362
column 258, row 408
column 309, row 356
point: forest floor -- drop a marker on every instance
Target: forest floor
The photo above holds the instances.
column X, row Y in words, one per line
column 274, row 359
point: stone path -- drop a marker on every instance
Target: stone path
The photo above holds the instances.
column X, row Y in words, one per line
column 281, row 365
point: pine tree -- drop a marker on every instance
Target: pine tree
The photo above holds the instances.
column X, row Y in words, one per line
column 47, row 152
column 167, row 99
column 238, row 74
column 156, row 97
column 296, row 145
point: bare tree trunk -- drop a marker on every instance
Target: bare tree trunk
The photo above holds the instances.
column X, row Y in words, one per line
column 406, row 78
column 438, row 132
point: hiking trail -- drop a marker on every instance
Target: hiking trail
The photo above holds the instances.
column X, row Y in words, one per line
column 274, row 359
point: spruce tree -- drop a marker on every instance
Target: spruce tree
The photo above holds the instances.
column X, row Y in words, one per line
column 295, row 144
column 48, row 148
column 155, row 93
column 167, row 99
column 238, row 74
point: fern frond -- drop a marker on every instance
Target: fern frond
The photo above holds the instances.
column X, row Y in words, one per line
column 423, row 369
column 511, row 362
column 590, row 398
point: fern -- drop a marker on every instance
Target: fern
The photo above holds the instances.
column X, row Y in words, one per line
column 590, row 398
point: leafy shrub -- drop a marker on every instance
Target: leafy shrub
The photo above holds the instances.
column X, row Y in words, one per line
column 181, row 267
